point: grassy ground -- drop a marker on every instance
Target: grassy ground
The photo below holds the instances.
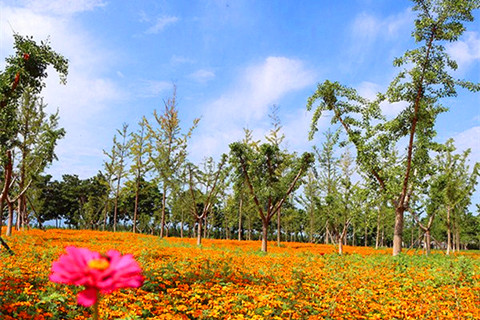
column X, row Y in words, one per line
column 233, row 280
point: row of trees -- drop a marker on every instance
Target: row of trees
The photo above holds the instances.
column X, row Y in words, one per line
column 333, row 194
column 239, row 197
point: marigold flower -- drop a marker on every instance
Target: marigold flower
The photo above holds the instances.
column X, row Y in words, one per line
column 95, row 272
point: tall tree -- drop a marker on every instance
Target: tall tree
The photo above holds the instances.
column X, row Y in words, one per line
column 310, row 201
column 27, row 68
column 168, row 148
column 117, row 166
column 457, row 183
column 209, row 179
column 329, row 181
column 140, row 162
column 423, row 82
column 37, row 137
column 276, row 137
column 268, row 186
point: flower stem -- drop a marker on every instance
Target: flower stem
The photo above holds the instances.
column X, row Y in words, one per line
column 95, row 308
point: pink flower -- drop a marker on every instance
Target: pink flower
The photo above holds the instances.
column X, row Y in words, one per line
column 95, row 272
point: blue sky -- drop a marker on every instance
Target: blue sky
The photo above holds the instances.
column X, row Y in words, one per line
column 230, row 60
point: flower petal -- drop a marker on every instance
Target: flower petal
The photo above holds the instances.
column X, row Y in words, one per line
column 87, row 297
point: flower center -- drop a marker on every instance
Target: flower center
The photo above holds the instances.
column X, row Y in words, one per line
column 99, row 264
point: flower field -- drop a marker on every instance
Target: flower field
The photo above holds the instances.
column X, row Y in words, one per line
column 233, row 280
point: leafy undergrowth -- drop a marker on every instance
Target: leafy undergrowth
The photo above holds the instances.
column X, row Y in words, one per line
column 233, row 280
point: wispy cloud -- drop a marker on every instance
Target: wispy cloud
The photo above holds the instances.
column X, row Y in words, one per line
column 246, row 104
column 178, row 60
column 202, row 75
column 468, row 139
column 369, row 91
column 62, row 7
column 151, row 88
column 160, row 24
column 465, row 51
column 367, row 28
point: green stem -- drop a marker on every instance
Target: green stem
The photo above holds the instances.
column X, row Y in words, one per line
column 95, row 308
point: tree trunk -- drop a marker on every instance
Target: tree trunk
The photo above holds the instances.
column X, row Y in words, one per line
column 205, row 226
column 105, row 214
column 240, row 220
column 327, row 234
column 382, row 238
column 427, row 242
column 164, row 202
column 311, row 225
column 365, row 243
column 377, row 237
column 10, row 219
column 278, row 227
column 412, row 239
column 449, row 231
column 199, row 232
column 457, row 236
column 353, row 236
column 264, row 235
column 116, row 207
column 398, row 230
column 181, row 225
column 135, row 210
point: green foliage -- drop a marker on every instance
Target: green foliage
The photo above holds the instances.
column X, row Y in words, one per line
column 424, row 80
column 26, row 69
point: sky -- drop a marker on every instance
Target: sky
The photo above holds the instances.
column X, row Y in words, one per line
column 231, row 61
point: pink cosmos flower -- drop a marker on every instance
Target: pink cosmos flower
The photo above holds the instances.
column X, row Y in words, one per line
column 95, row 272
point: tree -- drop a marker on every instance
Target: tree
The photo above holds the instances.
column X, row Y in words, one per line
column 456, row 185
column 27, row 68
column 329, row 181
column 310, row 200
column 269, row 184
column 37, row 138
column 423, row 82
column 115, row 168
column 209, row 179
column 275, row 137
column 141, row 164
column 168, row 148
column 143, row 195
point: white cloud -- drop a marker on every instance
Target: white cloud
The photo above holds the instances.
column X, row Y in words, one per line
column 87, row 94
column 469, row 139
column 247, row 103
column 297, row 127
column 465, row 51
column 152, row 88
column 369, row 91
column 202, row 75
column 367, row 28
column 62, row 7
column 177, row 60
column 161, row 23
